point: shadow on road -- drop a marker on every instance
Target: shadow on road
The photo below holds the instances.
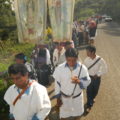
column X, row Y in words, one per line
column 113, row 29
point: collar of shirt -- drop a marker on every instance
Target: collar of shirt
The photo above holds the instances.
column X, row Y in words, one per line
column 27, row 92
column 75, row 66
column 96, row 57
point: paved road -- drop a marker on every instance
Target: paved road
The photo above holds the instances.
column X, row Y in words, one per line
column 107, row 106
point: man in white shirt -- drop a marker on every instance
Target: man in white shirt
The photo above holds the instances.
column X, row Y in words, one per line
column 96, row 67
column 58, row 54
column 71, row 78
column 27, row 99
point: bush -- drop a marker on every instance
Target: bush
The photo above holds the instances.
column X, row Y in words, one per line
column 4, row 108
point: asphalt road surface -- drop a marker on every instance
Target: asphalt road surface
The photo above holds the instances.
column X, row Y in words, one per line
column 107, row 106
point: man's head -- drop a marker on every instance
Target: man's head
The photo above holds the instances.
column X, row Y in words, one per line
column 20, row 58
column 91, row 51
column 69, row 44
column 59, row 46
column 19, row 75
column 71, row 56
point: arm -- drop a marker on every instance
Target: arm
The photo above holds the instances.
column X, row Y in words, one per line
column 7, row 98
column 57, row 81
column 57, row 86
column 55, row 57
column 103, row 68
column 43, row 105
column 85, row 79
column 48, row 57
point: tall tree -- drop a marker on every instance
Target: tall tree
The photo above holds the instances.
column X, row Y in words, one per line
column 7, row 21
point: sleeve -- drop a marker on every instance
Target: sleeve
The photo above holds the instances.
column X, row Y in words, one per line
column 73, row 45
column 55, row 58
column 29, row 67
column 85, row 79
column 48, row 56
column 7, row 98
column 57, row 81
column 43, row 105
column 103, row 68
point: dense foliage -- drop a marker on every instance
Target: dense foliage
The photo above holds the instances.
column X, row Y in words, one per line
column 87, row 8
column 8, row 28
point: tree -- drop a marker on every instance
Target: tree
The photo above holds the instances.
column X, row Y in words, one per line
column 86, row 8
column 7, row 21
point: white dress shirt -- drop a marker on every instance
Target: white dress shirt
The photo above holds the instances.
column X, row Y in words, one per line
column 98, row 69
column 48, row 61
column 63, row 83
column 34, row 102
column 58, row 59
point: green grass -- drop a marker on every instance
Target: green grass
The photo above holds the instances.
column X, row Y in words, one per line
column 7, row 56
column 1, row 84
column 10, row 50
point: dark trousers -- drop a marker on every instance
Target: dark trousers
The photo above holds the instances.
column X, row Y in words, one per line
column 92, row 32
column 80, row 37
column 92, row 90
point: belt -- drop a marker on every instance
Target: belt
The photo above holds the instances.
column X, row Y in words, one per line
column 68, row 96
column 93, row 76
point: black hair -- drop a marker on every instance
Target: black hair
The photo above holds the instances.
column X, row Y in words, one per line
column 68, row 43
column 17, row 68
column 21, row 56
column 91, row 48
column 59, row 43
column 71, row 52
column 56, row 43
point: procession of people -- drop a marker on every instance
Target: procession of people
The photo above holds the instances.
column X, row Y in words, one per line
column 71, row 78
column 28, row 98
column 85, row 32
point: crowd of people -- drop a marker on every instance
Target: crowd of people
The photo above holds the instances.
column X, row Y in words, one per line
column 28, row 98
column 84, row 32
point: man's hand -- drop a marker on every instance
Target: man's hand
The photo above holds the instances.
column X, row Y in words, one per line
column 75, row 79
column 95, row 77
column 58, row 105
column 11, row 117
column 59, row 102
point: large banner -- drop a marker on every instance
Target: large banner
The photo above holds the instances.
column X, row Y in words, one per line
column 31, row 20
column 61, row 16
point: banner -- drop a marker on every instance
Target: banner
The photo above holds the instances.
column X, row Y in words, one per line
column 31, row 20
column 61, row 17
